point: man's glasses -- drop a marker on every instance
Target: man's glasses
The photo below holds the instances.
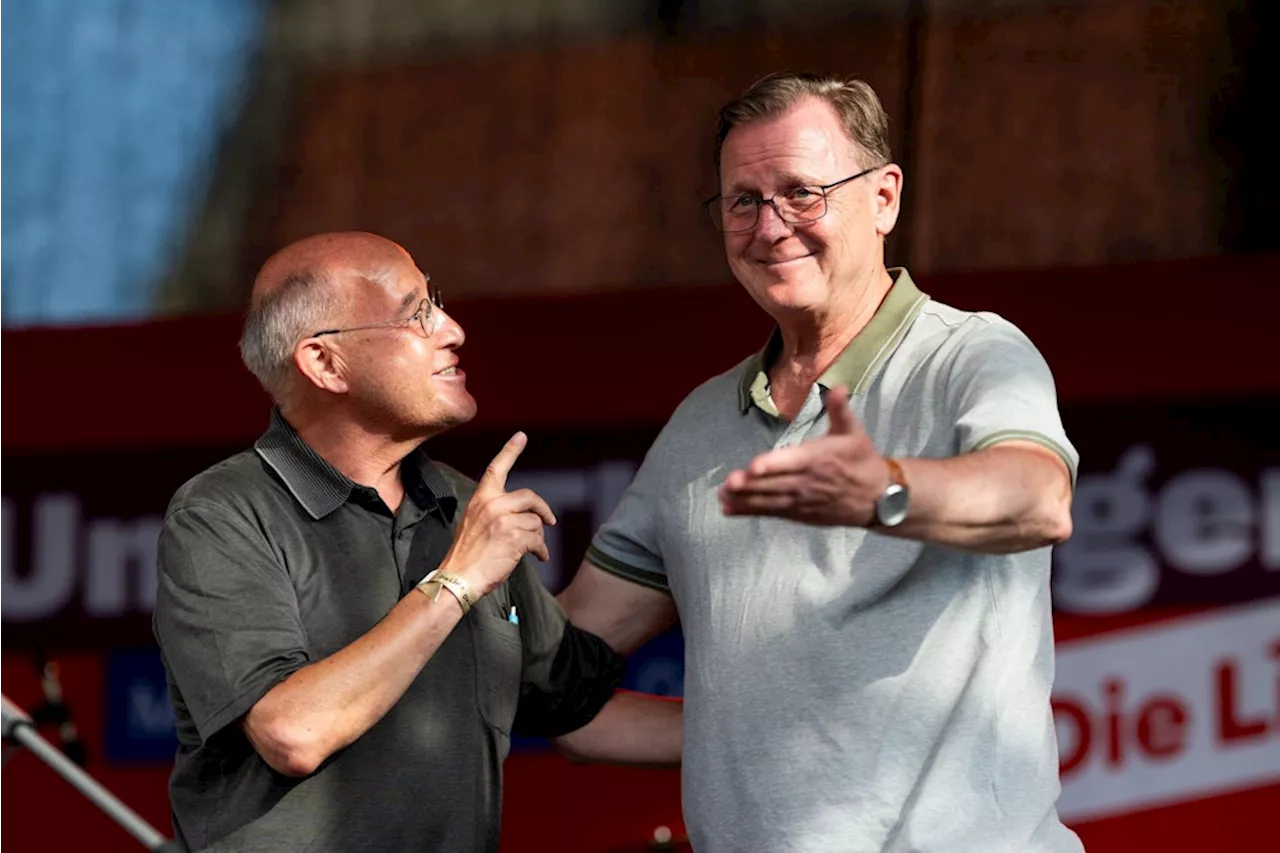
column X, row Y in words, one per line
column 422, row 316
column 798, row 205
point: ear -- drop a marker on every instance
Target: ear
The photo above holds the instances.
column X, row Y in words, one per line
column 888, row 198
column 321, row 365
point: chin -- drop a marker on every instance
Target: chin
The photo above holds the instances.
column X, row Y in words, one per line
column 468, row 410
column 458, row 412
column 789, row 295
column 442, row 415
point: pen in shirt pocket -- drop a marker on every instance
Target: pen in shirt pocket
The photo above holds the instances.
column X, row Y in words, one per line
column 512, row 617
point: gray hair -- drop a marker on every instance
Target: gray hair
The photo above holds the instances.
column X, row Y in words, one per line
column 855, row 102
column 299, row 306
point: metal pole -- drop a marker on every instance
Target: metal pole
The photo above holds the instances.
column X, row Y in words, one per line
column 18, row 727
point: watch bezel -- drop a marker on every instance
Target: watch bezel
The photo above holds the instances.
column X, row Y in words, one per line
column 891, row 508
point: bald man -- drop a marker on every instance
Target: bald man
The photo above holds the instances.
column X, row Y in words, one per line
column 349, row 627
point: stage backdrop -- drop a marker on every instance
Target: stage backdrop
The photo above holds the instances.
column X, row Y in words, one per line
column 1167, row 697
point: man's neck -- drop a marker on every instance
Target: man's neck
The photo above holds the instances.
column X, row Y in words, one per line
column 365, row 457
column 812, row 342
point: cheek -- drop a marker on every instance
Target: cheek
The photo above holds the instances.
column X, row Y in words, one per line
column 393, row 375
column 736, row 245
column 850, row 226
column 822, row 235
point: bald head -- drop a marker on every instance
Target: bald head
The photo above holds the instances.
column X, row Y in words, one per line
column 333, row 257
column 306, row 286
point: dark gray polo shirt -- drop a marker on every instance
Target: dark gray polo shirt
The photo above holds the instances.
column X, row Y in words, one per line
column 272, row 560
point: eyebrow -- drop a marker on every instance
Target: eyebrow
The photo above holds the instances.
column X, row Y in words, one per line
column 787, row 180
column 409, row 299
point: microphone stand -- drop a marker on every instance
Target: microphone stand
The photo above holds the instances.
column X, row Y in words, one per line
column 19, row 728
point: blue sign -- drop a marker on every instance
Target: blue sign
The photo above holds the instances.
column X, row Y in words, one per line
column 657, row 667
column 139, row 728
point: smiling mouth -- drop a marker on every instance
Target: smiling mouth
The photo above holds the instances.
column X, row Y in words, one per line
column 777, row 262
column 448, row 371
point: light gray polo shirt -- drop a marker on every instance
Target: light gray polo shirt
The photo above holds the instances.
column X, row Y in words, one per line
column 846, row 690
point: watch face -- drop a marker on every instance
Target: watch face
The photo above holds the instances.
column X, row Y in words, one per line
column 891, row 509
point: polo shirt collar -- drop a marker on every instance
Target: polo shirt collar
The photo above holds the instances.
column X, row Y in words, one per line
column 321, row 488
column 857, row 363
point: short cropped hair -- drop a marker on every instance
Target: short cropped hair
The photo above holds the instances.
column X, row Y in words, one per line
column 302, row 304
column 854, row 101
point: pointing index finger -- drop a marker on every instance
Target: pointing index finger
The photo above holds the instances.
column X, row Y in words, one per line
column 495, row 476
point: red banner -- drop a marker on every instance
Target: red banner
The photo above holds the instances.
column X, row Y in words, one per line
column 1167, row 698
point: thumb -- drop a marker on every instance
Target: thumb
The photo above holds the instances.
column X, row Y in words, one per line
column 495, row 476
column 838, row 415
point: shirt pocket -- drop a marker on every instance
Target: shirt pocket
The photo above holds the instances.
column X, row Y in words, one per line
column 498, row 655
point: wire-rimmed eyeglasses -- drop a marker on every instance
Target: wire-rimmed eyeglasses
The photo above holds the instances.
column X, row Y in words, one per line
column 422, row 316
column 798, row 205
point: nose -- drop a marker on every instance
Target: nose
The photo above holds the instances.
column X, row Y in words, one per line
column 770, row 226
column 447, row 332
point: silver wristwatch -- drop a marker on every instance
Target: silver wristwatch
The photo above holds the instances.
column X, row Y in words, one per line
column 891, row 507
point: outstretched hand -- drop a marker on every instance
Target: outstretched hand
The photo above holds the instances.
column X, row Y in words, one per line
column 499, row 527
column 832, row 480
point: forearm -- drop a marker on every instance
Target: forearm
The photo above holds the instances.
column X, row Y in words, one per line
column 632, row 728
column 327, row 705
column 999, row 500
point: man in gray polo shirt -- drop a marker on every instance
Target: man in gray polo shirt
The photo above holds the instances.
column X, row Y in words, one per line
column 347, row 625
column 853, row 526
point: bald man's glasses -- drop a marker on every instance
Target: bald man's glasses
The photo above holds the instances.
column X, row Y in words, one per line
column 422, row 316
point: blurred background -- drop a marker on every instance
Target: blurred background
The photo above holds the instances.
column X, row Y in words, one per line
column 1101, row 172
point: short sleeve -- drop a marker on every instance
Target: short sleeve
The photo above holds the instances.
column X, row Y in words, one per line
column 1000, row 389
column 226, row 616
column 627, row 545
column 568, row 674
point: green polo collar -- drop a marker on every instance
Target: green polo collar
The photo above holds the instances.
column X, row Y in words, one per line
column 854, row 367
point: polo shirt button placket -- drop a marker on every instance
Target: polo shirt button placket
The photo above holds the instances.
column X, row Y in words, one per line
column 792, row 435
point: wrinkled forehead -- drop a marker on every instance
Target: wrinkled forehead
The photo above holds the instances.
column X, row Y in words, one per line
column 806, row 144
column 381, row 287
